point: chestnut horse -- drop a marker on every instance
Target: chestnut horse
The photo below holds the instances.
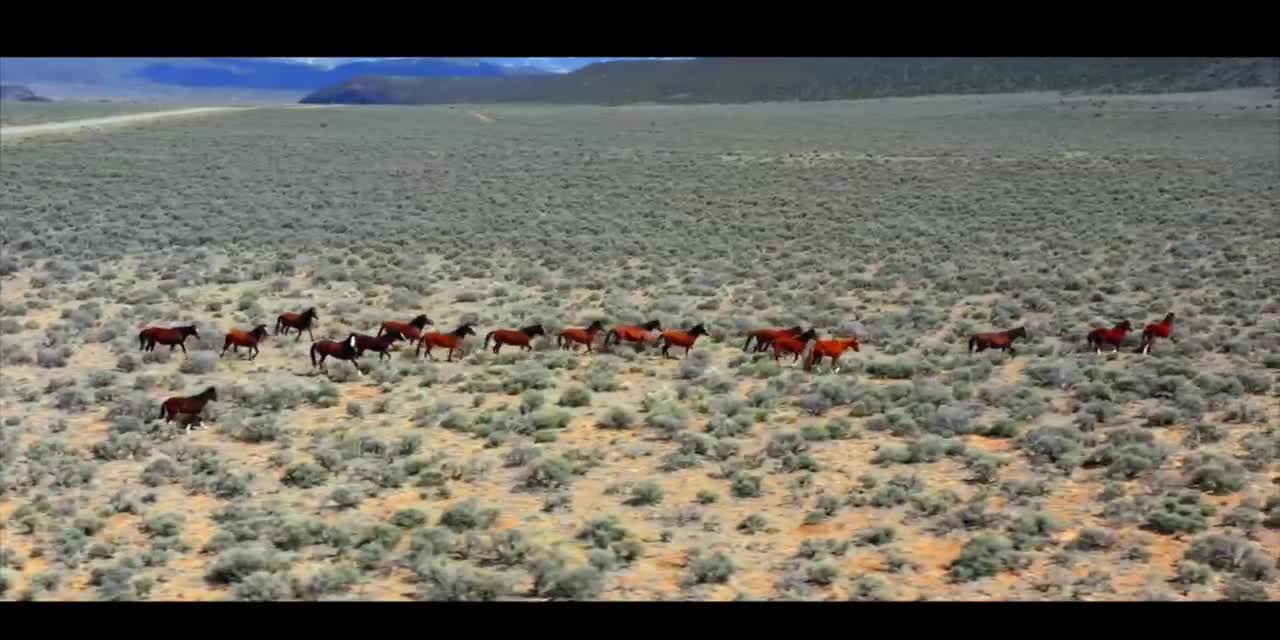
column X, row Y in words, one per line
column 173, row 337
column 572, row 337
column 189, row 406
column 290, row 320
column 681, row 339
column 1162, row 329
column 1113, row 336
column 411, row 330
column 520, row 338
column 794, row 345
column 380, row 343
column 452, row 341
column 830, row 349
column 765, row 337
column 636, row 334
column 342, row 350
column 236, row 339
column 1002, row 340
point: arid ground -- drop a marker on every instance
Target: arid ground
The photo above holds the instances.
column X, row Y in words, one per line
column 915, row 471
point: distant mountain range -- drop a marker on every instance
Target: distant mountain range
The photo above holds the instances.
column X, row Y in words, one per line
column 741, row 80
column 18, row 93
column 91, row 77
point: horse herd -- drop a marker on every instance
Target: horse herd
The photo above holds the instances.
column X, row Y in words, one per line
column 793, row 341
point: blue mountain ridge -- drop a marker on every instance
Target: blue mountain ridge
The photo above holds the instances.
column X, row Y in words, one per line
column 241, row 73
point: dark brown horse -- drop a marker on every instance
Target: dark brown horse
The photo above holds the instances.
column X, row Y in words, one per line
column 250, row 339
column 681, row 338
column 451, row 341
column 411, row 330
column 342, row 350
column 381, row 344
column 173, row 337
column 1162, row 329
column 1002, row 340
column 1113, row 336
column 765, row 337
column 299, row 321
column 192, row 406
column 794, row 345
column 519, row 337
column 635, row 334
column 573, row 336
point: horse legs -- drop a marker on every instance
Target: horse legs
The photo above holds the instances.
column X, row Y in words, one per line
column 184, row 348
column 309, row 334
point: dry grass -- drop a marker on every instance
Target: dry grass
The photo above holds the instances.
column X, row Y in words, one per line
column 909, row 222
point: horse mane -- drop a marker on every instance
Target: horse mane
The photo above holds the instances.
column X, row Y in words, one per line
column 595, row 325
column 310, row 312
column 461, row 330
column 1169, row 317
column 420, row 321
column 698, row 327
column 528, row 331
column 208, row 393
column 811, row 334
column 651, row 325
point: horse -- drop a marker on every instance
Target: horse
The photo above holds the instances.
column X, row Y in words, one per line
column 520, row 338
column 1162, row 329
column 452, row 341
column 1002, row 340
column 637, row 334
column 342, row 350
column 236, row 339
column 1113, row 336
column 765, row 337
column 173, row 336
column 794, row 345
column 411, row 330
column 572, row 337
column 290, row 320
column 190, row 406
column 681, row 339
column 830, row 349
column 380, row 343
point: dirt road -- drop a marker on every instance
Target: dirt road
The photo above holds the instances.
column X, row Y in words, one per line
column 23, row 131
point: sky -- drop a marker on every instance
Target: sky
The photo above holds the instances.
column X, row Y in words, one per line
column 562, row 65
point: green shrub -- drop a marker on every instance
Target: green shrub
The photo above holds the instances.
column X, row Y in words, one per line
column 467, row 515
column 983, row 556
column 617, row 418
column 1232, row 555
column 261, row 586
column 752, row 524
column 712, row 568
column 548, row 473
column 746, row 486
column 304, row 475
column 1216, row 474
column 442, row 581
column 1179, row 513
column 645, row 493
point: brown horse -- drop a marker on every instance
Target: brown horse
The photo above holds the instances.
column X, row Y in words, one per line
column 380, row 343
column 290, row 320
column 1162, row 329
column 1113, row 336
column 681, row 338
column 1002, row 340
column 794, row 345
column 451, row 341
column 342, row 350
column 173, row 337
column 236, row 339
column 520, row 338
column 765, row 337
column 411, row 330
column 635, row 334
column 572, row 337
column 830, row 349
column 187, row 406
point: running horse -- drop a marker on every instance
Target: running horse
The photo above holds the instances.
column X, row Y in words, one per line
column 451, row 341
column 765, row 337
column 1002, row 340
column 520, row 338
column 681, row 338
column 290, row 320
column 635, row 334
column 572, row 337
column 250, row 339
column 411, row 330
column 794, row 345
column 381, row 343
column 1162, row 329
column 1113, row 336
column 192, row 406
column 830, row 349
column 341, row 350
column 173, row 337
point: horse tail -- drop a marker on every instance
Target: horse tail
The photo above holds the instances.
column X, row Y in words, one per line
column 1092, row 339
column 163, row 410
column 973, row 342
column 748, row 342
column 313, row 354
column 614, row 333
column 381, row 330
column 142, row 339
column 486, row 339
column 279, row 321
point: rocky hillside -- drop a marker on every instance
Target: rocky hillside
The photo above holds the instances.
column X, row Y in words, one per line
column 19, row 93
column 739, row 80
